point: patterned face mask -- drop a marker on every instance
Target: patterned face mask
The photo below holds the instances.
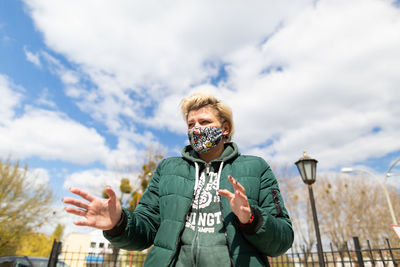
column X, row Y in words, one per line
column 203, row 139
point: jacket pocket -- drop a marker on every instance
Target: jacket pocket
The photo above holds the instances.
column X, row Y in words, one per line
column 277, row 203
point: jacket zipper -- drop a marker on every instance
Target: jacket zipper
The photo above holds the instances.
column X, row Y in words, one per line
column 223, row 225
column 226, row 235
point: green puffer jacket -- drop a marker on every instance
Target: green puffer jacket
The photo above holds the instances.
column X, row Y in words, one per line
column 159, row 219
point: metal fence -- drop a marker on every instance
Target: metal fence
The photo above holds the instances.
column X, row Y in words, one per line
column 354, row 256
column 351, row 255
column 87, row 259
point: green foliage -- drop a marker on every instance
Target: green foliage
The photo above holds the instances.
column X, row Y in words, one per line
column 39, row 244
column 58, row 232
column 34, row 244
column 134, row 200
column 24, row 206
column 144, row 179
column 148, row 170
column 125, row 187
column 147, row 173
column 104, row 194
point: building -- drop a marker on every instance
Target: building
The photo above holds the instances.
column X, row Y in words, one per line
column 81, row 250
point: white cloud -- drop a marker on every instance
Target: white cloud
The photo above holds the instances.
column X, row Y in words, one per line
column 339, row 82
column 44, row 99
column 32, row 57
column 10, row 98
column 320, row 76
column 38, row 176
column 68, row 77
column 151, row 44
column 95, row 181
column 60, row 216
column 126, row 156
column 51, row 135
column 148, row 49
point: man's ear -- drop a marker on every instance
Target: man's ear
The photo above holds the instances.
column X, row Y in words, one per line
column 226, row 129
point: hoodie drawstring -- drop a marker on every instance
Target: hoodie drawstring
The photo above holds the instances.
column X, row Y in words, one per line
column 219, row 172
column 196, row 165
column 197, row 189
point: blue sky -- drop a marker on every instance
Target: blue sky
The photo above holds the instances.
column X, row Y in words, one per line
column 86, row 88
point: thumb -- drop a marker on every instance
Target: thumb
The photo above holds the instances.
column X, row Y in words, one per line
column 110, row 193
column 114, row 204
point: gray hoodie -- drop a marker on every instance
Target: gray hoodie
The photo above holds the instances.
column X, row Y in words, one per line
column 203, row 241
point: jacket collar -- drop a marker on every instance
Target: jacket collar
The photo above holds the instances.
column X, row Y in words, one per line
column 231, row 151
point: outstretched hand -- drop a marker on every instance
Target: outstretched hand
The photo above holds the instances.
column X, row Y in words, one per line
column 238, row 200
column 100, row 213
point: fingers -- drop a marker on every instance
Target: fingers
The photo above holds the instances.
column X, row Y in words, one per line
column 83, row 223
column 75, row 211
column 76, row 202
column 110, row 193
column 236, row 185
column 79, row 212
column 245, row 209
column 238, row 189
column 237, row 195
column 82, row 194
column 240, row 195
column 225, row 193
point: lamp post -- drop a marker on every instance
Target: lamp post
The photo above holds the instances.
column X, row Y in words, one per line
column 308, row 171
column 382, row 184
column 388, row 172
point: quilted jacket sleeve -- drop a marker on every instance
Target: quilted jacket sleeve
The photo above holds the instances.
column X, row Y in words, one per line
column 273, row 234
column 143, row 223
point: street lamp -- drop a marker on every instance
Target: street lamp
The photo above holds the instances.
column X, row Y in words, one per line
column 388, row 174
column 308, row 171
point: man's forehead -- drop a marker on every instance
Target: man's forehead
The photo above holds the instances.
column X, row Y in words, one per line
column 206, row 111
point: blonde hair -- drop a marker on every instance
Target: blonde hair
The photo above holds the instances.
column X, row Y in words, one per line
column 199, row 100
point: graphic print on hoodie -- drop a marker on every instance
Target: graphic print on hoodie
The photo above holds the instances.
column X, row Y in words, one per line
column 205, row 212
column 203, row 240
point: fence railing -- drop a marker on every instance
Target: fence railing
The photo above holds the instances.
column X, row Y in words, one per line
column 355, row 256
column 88, row 259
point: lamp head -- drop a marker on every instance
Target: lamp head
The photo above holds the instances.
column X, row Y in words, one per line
column 307, row 167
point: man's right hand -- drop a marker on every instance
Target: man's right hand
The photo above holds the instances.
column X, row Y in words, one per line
column 100, row 213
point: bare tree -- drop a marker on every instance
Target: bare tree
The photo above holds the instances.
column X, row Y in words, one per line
column 347, row 206
column 295, row 195
column 353, row 206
